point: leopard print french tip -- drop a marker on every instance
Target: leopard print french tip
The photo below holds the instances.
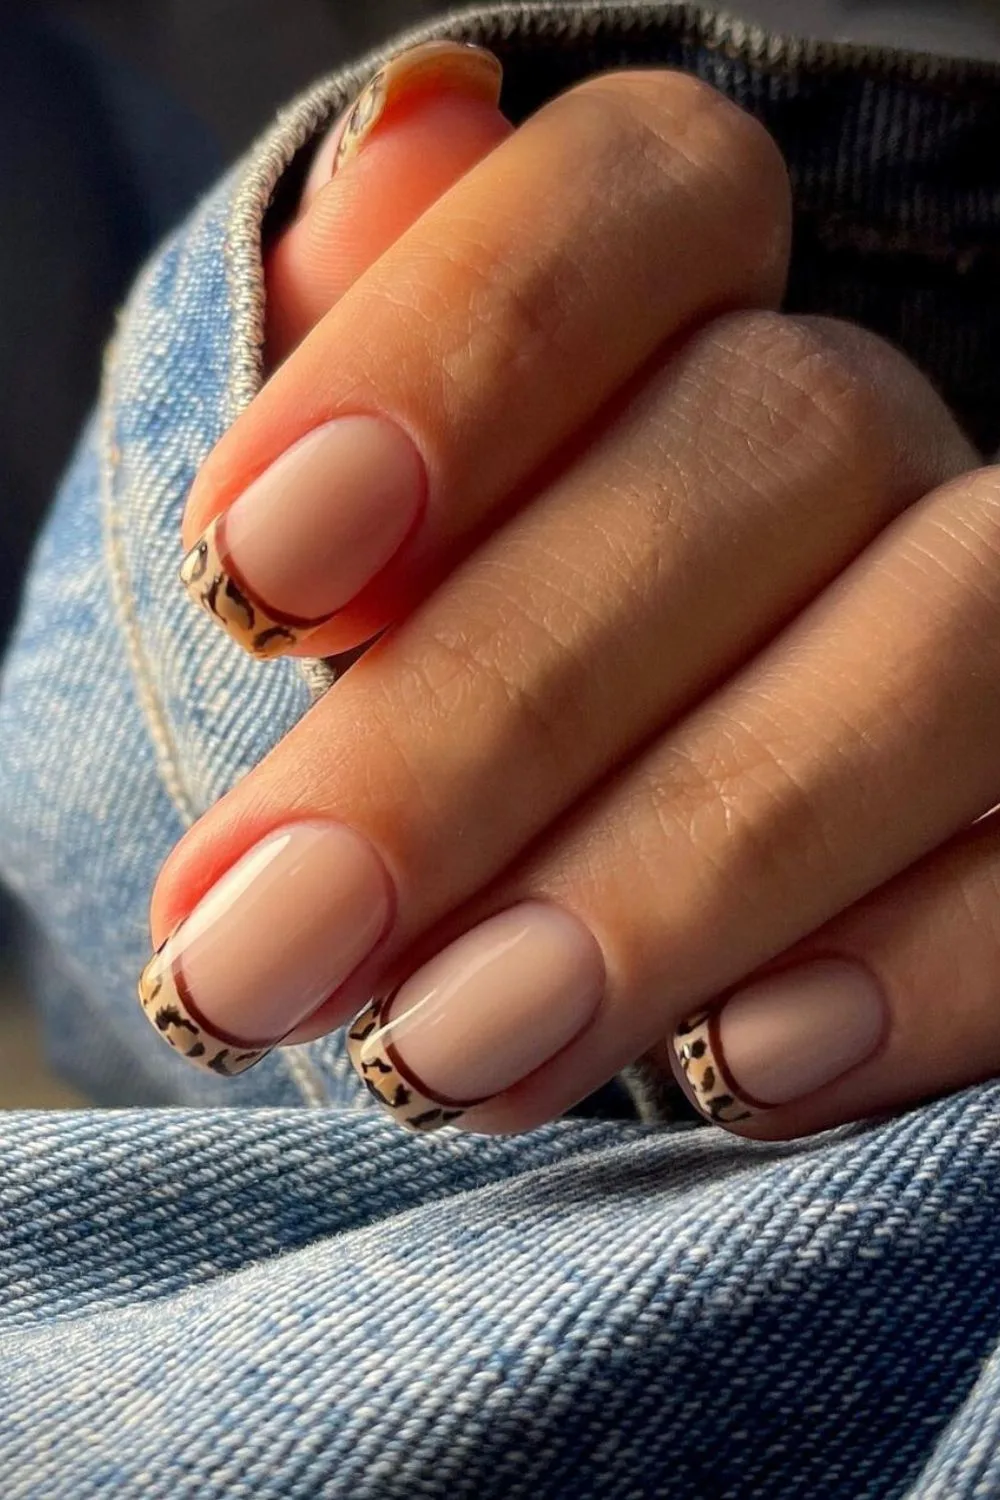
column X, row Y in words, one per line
column 455, row 64
column 168, row 1007
column 213, row 582
column 698, row 1050
column 389, row 1081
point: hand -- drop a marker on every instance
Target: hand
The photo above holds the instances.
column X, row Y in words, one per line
column 689, row 695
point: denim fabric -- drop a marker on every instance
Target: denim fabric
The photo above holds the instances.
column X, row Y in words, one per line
column 298, row 1300
column 285, row 1304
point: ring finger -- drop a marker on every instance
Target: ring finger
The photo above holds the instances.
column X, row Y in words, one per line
column 858, row 744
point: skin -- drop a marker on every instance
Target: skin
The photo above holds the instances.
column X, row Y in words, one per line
column 627, row 447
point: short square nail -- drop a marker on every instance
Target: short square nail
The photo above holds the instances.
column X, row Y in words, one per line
column 479, row 1017
column 781, row 1038
column 307, row 536
column 269, row 943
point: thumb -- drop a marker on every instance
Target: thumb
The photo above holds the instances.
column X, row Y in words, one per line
column 425, row 119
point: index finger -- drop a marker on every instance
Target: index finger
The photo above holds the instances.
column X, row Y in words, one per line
column 626, row 210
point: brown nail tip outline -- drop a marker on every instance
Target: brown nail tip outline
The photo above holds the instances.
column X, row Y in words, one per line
column 387, row 1078
column 698, row 1050
column 167, row 1007
column 424, row 64
column 214, row 583
column 208, row 572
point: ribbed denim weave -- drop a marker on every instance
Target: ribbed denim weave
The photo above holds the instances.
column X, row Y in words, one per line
column 289, row 1301
column 307, row 1303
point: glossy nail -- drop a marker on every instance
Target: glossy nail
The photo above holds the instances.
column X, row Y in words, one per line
column 308, row 534
column 453, row 66
column 780, row 1038
column 268, row 944
column 480, row 1016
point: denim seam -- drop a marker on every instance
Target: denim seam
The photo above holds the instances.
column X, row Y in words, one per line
column 167, row 757
column 308, row 1077
column 737, row 40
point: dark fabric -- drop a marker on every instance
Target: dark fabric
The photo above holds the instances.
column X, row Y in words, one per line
column 95, row 167
column 893, row 159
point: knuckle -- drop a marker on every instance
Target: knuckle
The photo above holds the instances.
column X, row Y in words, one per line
column 677, row 109
column 969, row 513
column 739, row 800
column 809, row 375
column 977, row 495
column 497, row 685
column 633, row 118
column 804, row 403
column 843, row 369
column 663, row 103
column 824, row 403
column 510, row 316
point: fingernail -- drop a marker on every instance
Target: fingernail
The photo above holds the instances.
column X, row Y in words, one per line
column 781, row 1038
column 480, row 1016
column 268, row 944
column 434, row 65
column 308, row 534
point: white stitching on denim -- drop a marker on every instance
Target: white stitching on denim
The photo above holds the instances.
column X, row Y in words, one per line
column 307, row 1076
column 168, row 760
column 245, row 277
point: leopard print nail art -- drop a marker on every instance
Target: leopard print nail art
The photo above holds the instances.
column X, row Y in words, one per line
column 214, row 583
column 477, row 71
column 208, row 573
column 168, row 1006
column 698, row 1050
column 387, row 1078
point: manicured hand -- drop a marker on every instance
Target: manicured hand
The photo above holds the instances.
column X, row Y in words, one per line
column 689, row 688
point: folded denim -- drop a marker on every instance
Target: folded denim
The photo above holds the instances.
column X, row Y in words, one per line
column 299, row 1300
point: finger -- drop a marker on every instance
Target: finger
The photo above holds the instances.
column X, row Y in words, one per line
column 895, row 1001
column 472, row 349
column 426, row 119
column 502, row 679
column 856, row 745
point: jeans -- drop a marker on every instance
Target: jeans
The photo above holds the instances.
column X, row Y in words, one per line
column 271, row 1291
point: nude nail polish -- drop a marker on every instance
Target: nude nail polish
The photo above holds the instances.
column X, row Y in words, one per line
column 273, row 939
column 306, row 536
column 780, row 1038
column 486, row 1012
column 455, row 66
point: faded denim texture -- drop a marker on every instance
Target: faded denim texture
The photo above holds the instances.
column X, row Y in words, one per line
column 299, row 1300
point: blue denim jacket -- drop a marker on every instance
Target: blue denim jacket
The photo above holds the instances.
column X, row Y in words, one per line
column 291, row 1298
